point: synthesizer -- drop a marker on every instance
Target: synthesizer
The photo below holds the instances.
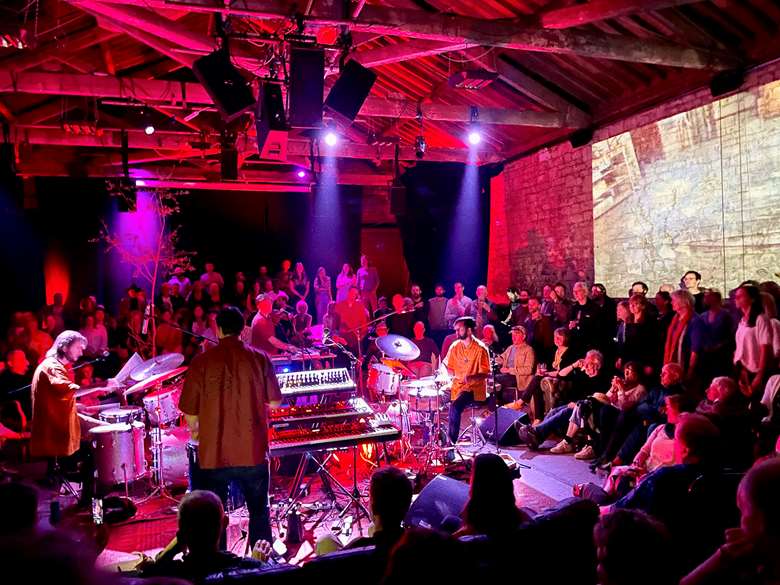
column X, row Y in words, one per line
column 315, row 382
column 294, row 441
column 314, row 413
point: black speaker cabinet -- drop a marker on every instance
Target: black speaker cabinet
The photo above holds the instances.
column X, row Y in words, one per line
column 504, row 430
column 307, row 83
column 351, row 89
column 224, row 83
column 398, row 199
column 442, row 498
column 271, row 123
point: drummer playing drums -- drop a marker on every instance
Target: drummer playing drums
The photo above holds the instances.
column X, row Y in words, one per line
column 468, row 361
column 56, row 432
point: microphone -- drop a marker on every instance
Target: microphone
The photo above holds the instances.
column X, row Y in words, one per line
column 145, row 326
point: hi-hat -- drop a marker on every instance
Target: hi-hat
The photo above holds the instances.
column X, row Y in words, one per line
column 398, row 347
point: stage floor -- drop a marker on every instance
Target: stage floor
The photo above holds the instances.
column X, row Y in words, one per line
column 546, row 480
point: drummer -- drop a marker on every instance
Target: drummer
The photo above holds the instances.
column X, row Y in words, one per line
column 56, row 431
column 468, row 361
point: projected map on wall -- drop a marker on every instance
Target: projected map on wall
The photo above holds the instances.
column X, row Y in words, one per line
column 696, row 191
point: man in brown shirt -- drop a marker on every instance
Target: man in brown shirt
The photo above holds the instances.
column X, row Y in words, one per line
column 226, row 394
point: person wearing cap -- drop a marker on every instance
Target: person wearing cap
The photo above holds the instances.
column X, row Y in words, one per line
column 468, row 361
column 264, row 330
column 517, row 363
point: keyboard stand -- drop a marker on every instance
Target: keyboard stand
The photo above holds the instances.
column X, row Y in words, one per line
column 329, row 483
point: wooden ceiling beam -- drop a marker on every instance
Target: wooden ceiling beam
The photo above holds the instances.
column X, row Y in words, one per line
column 597, row 10
column 517, row 34
column 153, row 91
column 406, row 51
column 160, row 140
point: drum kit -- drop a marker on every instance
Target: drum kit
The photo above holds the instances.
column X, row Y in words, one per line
column 119, row 433
column 415, row 403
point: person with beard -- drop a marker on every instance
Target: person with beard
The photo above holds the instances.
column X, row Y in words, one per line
column 419, row 304
column 468, row 361
column 437, row 307
column 584, row 320
column 458, row 306
column 518, row 306
column 540, row 331
column 483, row 309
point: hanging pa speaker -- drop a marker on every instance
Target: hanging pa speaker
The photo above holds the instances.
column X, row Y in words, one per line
column 271, row 123
column 441, row 500
column 350, row 91
column 504, row 428
column 224, row 83
column 307, row 83
column 397, row 199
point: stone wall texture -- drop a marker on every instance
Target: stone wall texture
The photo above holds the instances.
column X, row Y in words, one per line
column 542, row 224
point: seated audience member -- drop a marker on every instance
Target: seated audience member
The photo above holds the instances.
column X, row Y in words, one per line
column 18, row 509
column 749, row 554
column 634, row 549
column 420, row 557
column 586, row 378
column 666, row 493
column 517, row 365
column 491, row 509
column 15, row 406
column 201, row 522
column 390, row 495
column 727, row 407
column 547, row 375
column 657, row 452
column 649, row 412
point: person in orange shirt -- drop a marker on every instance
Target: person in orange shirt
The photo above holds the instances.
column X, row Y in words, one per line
column 56, row 431
column 468, row 361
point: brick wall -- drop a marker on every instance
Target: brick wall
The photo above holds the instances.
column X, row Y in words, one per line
column 542, row 225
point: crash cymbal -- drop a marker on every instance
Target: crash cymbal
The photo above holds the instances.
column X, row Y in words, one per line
column 398, row 347
column 156, row 365
column 153, row 380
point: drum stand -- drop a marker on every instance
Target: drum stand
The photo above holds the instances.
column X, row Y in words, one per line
column 157, row 460
column 433, row 451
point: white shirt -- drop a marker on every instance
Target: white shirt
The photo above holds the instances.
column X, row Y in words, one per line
column 775, row 337
column 749, row 341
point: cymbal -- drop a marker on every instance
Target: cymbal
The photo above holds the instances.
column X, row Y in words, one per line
column 153, row 380
column 156, row 365
column 398, row 347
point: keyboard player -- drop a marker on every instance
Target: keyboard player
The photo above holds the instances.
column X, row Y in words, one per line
column 263, row 328
column 226, row 395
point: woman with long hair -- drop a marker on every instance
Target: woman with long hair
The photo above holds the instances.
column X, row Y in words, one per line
column 344, row 281
column 491, row 509
column 299, row 283
column 323, row 294
column 754, row 355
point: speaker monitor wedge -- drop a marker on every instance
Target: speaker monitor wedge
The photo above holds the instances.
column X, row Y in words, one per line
column 442, row 499
column 350, row 91
column 505, row 429
column 307, row 84
column 224, row 83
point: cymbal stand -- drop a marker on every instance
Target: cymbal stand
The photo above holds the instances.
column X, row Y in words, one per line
column 433, row 450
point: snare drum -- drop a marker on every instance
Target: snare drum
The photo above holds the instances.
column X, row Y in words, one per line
column 119, row 452
column 387, row 380
column 122, row 414
column 424, row 397
column 167, row 399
